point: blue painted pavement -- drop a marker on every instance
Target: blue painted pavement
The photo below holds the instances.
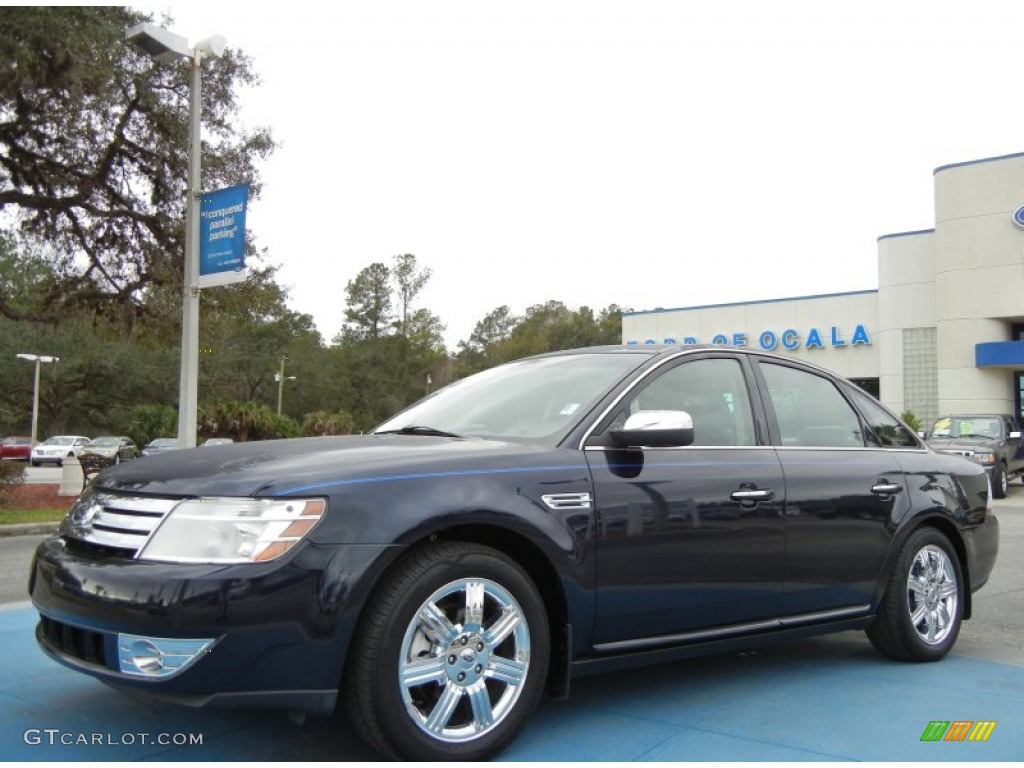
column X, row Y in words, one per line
column 826, row 699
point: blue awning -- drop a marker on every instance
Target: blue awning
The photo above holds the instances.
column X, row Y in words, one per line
column 999, row 354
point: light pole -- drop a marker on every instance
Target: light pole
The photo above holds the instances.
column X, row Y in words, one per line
column 164, row 46
column 280, row 377
column 35, row 392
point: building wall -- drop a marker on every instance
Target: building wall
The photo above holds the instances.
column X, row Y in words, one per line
column 941, row 292
column 979, row 277
column 906, row 318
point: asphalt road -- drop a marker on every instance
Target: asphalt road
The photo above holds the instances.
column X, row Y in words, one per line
column 44, row 474
column 15, row 558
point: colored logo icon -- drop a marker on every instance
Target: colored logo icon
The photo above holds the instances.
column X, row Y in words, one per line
column 958, row 730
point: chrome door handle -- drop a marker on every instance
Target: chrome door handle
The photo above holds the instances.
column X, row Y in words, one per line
column 885, row 489
column 753, row 495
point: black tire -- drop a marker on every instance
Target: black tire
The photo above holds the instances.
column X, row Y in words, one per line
column 35, row 463
column 921, row 611
column 473, row 688
column 60, row 463
column 117, row 458
column 1000, row 483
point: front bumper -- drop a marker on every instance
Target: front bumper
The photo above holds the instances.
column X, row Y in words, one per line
column 279, row 630
column 49, row 458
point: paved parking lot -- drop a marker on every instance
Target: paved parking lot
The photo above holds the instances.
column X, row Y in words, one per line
column 825, row 699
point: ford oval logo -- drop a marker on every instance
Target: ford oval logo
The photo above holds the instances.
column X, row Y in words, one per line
column 84, row 515
column 1018, row 217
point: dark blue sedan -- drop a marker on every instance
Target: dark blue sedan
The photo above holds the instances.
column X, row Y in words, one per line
column 560, row 515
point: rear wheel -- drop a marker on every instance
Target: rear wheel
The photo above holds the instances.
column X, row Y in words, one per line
column 921, row 611
column 451, row 656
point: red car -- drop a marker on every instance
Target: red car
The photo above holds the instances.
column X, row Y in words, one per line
column 16, row 448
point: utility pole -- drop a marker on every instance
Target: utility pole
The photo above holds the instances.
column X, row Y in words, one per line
column 280, row 385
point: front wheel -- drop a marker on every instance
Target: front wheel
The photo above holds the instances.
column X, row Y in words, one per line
column 450, row 657
column 1000, row 482
column 920, row 614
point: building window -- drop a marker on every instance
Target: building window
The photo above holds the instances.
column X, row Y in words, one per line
column 920, row 373
column 871, row 386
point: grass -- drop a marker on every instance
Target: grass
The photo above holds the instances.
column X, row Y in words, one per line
column 10, row 515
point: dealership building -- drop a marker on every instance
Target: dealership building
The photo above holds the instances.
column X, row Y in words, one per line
column 944, row 331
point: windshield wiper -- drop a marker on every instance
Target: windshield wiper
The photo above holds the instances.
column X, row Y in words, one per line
column 417, row 429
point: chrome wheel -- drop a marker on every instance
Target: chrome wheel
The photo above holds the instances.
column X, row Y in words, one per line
column 451, row 655
column 921, row 611
column 932, row 595
column 464, row 660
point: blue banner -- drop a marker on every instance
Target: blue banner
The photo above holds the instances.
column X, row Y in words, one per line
column 222, row 236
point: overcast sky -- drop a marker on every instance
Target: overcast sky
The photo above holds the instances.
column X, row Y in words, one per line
column 649, row 154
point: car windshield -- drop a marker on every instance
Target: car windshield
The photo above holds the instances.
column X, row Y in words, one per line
column 967, row 426
column 533, row 400
column 163, row 442
column 105, row 442
column 59, row 441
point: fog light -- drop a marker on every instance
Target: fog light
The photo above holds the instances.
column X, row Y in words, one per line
column 146, row 657
column 159, row 656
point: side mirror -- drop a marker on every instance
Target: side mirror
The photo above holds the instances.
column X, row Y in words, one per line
column 655, row 429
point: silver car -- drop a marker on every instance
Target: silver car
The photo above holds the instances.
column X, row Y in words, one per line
column 55, row 449
column 117, row 448
column 160, row 445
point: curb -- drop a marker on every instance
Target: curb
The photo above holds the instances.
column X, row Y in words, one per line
column 28, row 529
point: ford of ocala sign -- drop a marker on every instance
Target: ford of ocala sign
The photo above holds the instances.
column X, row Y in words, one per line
column 768, row 340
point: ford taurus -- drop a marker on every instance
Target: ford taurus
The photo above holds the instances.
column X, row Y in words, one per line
column 553, row 517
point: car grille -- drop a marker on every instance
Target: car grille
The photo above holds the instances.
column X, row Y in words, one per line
column 116, row 521
column 67, row 640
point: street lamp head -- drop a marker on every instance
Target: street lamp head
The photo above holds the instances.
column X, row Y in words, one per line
column 158, row 43
column 213, row 46
column 39, row 358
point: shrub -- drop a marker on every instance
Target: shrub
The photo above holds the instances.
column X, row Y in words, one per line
column 12, row 474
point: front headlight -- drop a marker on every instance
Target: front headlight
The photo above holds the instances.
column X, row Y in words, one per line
column 228, row 530
column 985, row 458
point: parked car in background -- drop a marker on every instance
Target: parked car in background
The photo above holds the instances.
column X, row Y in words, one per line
column 576, row 512
column 160, row 445
column 218, row 441
column 990, row 439
column 117, row 448
column 55, row 449
column 16, row 448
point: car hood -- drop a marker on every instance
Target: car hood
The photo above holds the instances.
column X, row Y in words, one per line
column 310, row 465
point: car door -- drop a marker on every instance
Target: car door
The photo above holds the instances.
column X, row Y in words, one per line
column 688, row 537
column 844, row 491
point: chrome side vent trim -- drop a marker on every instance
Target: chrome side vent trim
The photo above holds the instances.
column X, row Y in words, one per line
column 567, row 500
